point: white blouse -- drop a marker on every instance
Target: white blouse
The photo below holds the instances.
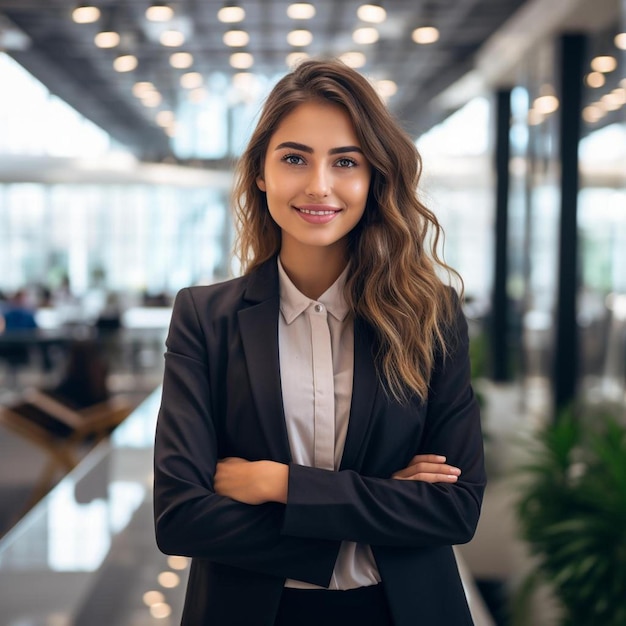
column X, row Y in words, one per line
column 316, row 347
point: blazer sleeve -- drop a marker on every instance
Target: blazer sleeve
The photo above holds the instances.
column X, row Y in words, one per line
column 390, row 512
column 190, row 518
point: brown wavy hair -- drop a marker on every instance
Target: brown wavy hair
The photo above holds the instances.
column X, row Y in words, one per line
column 393, row 284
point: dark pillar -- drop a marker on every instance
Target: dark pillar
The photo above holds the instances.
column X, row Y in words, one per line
column 571, row 62
column 500, row 303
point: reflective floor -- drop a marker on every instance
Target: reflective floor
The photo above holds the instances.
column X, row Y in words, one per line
column 86, row 555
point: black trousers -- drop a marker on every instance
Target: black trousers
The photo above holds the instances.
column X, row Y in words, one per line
column 365, row 606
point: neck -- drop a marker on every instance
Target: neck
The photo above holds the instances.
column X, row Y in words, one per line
column 313, row 270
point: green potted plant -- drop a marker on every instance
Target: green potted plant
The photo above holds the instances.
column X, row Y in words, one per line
column 572, row 514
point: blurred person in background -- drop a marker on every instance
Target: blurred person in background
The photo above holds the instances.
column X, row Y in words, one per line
column 318, row 447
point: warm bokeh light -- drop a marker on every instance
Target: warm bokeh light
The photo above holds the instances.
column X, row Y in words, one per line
column 180, row 562
column 165, row 118
column 125, row 63
column 592, row 114
column 191, row 80
column 107, row 39
column 181, row 60
column 365, row 35
column 142, row 87
column 151, row 99
column 86, row 14
column 169, row 580
column 172, row 38
column 236, row 38
column 620, row 41
column 604, row 63
column 160, row 610
column 231, row 14
column 152, row 597
column 159, row 13
column 241, row 60
column 301, row 11
column 595, row 79
column 372, row 13
column 298, row 38
column 294, row 58
column 353, row 59
column 425, row 35
column 545, row 105
column 386, row 88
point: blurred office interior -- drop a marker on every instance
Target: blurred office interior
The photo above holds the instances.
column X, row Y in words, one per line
column 120, row 122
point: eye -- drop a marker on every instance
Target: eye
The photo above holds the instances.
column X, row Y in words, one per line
column 346, row 162
column 293, row 159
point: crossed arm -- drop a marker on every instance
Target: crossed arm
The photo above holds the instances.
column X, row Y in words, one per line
column 258, row 482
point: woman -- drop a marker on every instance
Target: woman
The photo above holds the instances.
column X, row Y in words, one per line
column 318, row 448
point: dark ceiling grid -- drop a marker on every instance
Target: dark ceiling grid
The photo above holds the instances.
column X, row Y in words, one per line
column 65, row 58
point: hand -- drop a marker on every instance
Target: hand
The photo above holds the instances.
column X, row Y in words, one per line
column 251, row 482
column 429, row 468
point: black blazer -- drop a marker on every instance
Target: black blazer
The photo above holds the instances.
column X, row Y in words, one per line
column 222, row 397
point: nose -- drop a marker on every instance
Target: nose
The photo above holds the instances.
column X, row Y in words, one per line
column 318, row 184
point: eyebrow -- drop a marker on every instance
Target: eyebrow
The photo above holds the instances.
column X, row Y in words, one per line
column 294, row 145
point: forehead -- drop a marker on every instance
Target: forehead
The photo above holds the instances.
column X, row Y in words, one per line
column 316, row 123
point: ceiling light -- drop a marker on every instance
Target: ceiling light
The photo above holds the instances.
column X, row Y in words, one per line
column 142, row 87
column 169, row 580
column 191, row 80
column 164, row 118
column 151, row 99
column 372, row 12
column 620, row 92
column 230, row 13
column 592, row 114
column 241, row 60
column 612, row 101
column 125, row 63
column 595, row 79
column 295, row 58
column 159, row 12
column 152, row 597
column 298, row 38
column 236, row 38
column 534, row 117
column 353, row 59
column 172, row 38
column 386, row 88
column 604, row 64
column 181, row 60
column 365, row 35
column 546, row 104
column 425, row 35
column 301, row 11
column 160, row 610
column 85, row 14
column 620, row 41
column 107, row 39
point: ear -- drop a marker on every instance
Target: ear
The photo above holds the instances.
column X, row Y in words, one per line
column 260, row 183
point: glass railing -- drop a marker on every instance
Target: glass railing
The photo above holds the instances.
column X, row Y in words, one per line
column 86, row 554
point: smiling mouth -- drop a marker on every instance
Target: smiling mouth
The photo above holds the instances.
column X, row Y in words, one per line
column 312, row 212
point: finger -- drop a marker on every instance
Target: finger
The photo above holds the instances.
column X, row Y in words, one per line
column 428, row 458
column 431, row 478
column 428, row 468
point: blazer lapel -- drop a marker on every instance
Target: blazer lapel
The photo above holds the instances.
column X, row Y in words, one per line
column 364, row 389
column 259, row 332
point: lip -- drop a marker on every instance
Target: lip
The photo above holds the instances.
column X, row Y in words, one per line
column 317, row 213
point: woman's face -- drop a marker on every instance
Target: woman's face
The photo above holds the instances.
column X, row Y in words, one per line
column 316, row 177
